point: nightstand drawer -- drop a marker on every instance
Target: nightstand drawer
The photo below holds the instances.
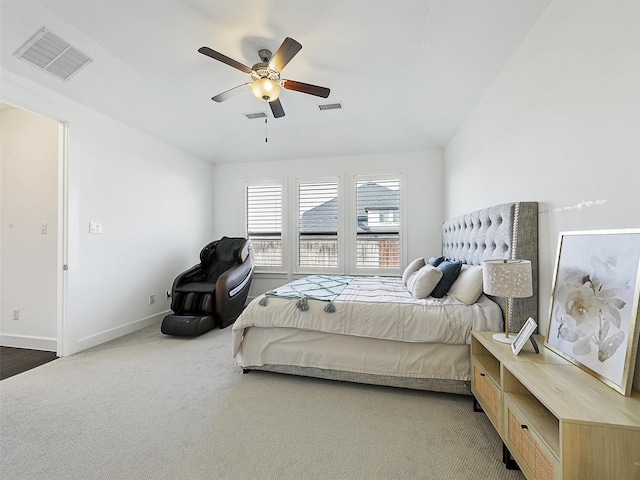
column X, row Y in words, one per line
column 527, row 447
column 487, row 393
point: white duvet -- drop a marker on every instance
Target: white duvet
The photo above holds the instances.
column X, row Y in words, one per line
column 376, row 307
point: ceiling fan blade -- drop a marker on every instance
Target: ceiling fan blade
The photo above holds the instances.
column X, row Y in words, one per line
column 286, row 52
column 224, row 59
column 276, row 108
column 221, row 97
column 306, row 88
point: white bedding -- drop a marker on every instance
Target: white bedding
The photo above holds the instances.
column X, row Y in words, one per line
column 378, row 308
column 303, row 348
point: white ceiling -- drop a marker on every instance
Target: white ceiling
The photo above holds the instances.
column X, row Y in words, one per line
column 407, row 72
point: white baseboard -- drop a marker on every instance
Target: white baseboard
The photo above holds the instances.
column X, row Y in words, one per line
column 117, row 332
column 32, row 343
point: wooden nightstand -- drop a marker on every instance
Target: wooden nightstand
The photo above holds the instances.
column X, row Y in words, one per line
column 557, row 421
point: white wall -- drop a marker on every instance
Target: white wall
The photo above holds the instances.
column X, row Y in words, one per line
column 424, row 188
column 560, row 125
column 155, row 206
column 29, row 166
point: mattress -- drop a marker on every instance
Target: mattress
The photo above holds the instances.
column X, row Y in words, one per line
column 376, row 307
column 376, row 327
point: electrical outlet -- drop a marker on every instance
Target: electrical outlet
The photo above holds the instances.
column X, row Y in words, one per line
column 16, row 314
column 152, row 299
column 95, row 228
column 167, row 294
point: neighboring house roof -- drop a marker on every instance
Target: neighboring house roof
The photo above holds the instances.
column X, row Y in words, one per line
column 371, row 196
column 320, row 219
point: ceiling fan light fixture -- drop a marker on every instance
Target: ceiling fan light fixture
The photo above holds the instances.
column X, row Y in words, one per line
column 266, row 89
column 266, row 83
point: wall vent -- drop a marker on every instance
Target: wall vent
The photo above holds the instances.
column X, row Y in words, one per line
column 255, row 115
column 52, row 54
column 330, row 106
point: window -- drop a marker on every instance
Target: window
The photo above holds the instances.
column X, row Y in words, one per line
column 264, row 223
column 378, row 224
column 318, row 225
column 322, row 225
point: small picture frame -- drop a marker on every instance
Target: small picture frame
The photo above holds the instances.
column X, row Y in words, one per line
column 523, row 337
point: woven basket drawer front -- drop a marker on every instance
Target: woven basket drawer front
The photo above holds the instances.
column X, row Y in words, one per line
column 523, row 440
column 486, row 391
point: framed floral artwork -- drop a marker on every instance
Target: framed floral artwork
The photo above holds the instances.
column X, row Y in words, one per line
column 594, row 304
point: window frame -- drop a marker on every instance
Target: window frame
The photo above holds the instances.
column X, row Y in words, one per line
column 297, row 269
column 347, row 221
column 352, row 221
column 281, row 182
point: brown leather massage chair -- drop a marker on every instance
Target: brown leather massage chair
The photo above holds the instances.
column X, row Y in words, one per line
column 213, row 292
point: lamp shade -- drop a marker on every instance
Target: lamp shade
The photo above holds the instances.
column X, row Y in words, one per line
column 507, row 278
column 265, row 89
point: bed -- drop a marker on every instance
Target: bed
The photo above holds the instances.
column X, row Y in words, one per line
column 372, row 330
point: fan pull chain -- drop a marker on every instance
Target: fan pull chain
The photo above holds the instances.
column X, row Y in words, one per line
column 266, row 139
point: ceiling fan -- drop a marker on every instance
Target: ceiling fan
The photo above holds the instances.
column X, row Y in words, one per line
column 266, row 82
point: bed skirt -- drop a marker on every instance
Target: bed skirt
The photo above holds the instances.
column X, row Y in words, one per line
column 459, row 387
column 421, row 366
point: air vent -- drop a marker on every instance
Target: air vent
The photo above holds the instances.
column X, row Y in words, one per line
column 52, row 54
column 252, row 116
column 330, row 106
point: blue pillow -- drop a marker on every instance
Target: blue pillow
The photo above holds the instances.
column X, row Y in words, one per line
column 435, row 261
column 450, row 272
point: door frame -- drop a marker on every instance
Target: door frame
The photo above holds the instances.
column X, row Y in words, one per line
column 63, row 238
column 63, row 223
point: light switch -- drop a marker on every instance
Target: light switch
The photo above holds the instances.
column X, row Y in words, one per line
column 43, row 228
column 95, row 227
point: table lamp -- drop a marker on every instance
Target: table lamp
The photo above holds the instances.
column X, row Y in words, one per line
column 508, row 279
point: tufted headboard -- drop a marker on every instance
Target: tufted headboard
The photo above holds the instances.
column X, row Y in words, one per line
column 506, row 231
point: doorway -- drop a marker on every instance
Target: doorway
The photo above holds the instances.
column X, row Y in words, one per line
column 32, row 229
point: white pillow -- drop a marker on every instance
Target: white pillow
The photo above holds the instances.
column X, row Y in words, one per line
column 422, row 282
column 412, row 268
column 468, row 286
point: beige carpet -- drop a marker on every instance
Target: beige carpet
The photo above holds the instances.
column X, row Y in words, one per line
column 154, row 407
